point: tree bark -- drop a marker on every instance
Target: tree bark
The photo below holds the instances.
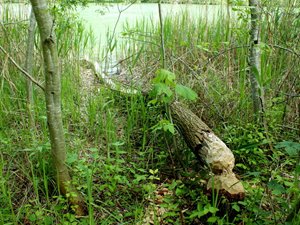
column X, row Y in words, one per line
column 53, row 105
column 29, row 68
column 257, row 91
column 209, row 149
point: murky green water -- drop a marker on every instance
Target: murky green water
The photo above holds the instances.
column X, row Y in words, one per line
column 109, row 17
column 101, row 23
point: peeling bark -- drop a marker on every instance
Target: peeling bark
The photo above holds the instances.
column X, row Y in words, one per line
column 53, row 105
column 210, row 149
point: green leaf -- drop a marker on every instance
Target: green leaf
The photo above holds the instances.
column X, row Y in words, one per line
column 179, row 192
column 169, row 127
column 212, row 209
column 152, row 102
column 32, row 217
column 118, row 143
column 297, row 169
column 151, row 171
column 203, row 46
column 236, row 207
column 212, row 219
column 186, row 92
column 164, row 76
column 193, row 215
column 161, row 89
column 276, row 188
column 291, row 148
column 71, row 158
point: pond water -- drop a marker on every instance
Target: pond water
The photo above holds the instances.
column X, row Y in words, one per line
column 106, row 18
column 101, row 18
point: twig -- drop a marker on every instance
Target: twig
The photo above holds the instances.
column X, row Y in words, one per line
column 143, row 41
column 286, row 49
column 21, row 69
column 162, row 42
column 222, row 52
column 110, row 40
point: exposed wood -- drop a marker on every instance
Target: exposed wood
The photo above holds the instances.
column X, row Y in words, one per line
column 210, row 149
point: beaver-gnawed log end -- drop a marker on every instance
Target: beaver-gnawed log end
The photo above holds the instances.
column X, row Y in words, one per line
column 208, row 147
column 227, row 185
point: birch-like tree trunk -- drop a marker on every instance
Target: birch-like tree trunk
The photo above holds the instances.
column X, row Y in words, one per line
column 255, row 61
column 29, row 68
column 53, row 104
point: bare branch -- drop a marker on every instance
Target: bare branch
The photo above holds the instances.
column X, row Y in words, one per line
column 21, row 69
column 286, row 49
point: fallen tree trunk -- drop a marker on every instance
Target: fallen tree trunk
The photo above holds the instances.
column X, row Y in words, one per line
column 207, row 147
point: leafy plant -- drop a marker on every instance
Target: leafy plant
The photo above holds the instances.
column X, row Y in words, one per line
column 165, row 88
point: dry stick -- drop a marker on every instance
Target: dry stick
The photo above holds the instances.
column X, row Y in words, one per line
column 115, row 28
column 163, row 52
column 286, row 49
column 21, row 69
column 221, row 53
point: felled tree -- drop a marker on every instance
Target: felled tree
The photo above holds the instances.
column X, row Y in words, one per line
column 209, row 149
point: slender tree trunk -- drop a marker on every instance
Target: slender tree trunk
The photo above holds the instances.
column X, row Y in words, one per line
column 53, row 104
column 255, row 61
column 29, row 68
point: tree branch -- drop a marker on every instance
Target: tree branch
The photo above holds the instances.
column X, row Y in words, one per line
column 21, row 69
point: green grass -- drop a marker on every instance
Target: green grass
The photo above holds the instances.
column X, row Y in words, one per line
column 113, row 150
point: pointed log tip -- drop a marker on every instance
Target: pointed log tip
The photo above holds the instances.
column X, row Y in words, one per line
column 227, row 185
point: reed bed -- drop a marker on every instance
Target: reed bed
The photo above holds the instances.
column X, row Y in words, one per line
column 118, row 160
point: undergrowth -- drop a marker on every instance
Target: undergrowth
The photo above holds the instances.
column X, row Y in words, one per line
column 130, row 172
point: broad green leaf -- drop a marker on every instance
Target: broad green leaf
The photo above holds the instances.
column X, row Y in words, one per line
column 236, row 207
column 291, row 148
column 71, row 158
column 213, row 209
column 169, row 127
column 276, row 188
column 32, row 217
column 161, row 89
column 212, row 219
column 164, row 76
column 186, row 92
